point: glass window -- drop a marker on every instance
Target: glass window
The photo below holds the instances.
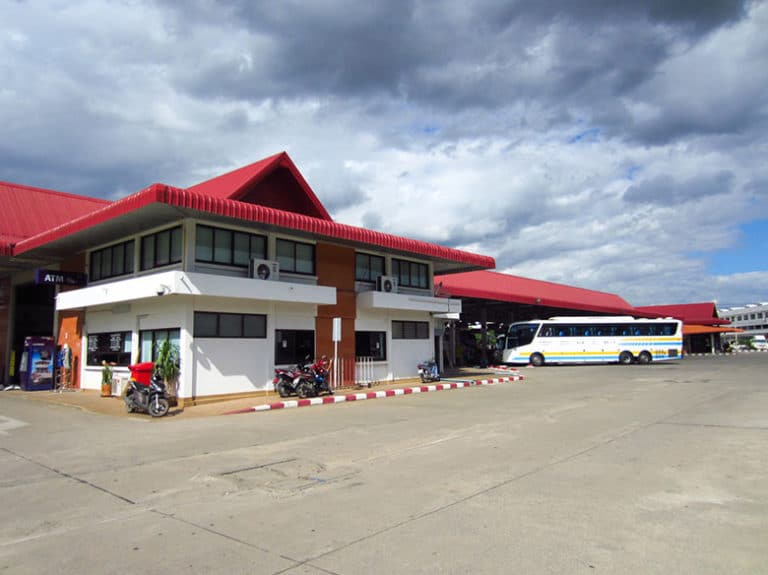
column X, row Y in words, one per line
column 111, row 262
column 112, row 347
column 228, row 247
column 293, row 345
column 151, row 340
column 410, row 329
column 235, row 325
column 296, row 257
column 411, row 274
column 371, row 344
column 368, row 267
column 161, row 249
column 204, row 244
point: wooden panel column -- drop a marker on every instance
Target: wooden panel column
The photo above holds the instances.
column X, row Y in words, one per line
column 336, row 268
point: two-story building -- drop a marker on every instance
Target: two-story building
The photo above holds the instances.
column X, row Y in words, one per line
column 244, row 272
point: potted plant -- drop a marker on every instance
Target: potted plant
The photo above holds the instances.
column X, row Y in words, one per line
column 167, row 367
column 106, row 379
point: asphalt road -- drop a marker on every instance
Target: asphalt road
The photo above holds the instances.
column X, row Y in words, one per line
column 592, row 469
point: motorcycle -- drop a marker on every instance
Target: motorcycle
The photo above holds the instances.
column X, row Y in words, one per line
column 428, row 371
column 312, row 379
column 150, row 397
column 283, row 381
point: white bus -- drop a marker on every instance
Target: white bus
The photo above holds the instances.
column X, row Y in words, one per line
column 621, row 339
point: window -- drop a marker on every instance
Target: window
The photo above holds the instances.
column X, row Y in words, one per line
column 241, row 325
column 371, row 344
column 161, row 249
column 293, row 345
column 411, row 274
column 114, row 347
column 368, row 267
column 152, row 339
column 410, row 330
column 295, row 257
column 228, row 247
column 113, row 261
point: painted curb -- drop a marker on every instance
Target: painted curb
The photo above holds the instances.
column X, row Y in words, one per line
column 332, row 399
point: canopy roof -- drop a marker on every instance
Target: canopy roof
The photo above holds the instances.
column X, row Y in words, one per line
column 496, row 286
column 690, row 313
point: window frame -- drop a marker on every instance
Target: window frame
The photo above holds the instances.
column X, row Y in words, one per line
column 121, row 358
column 409, row 329
column 284, row 265
column 159, row 260
column 128, row 248
column 230, row 249
column 242, row 317
column 294, row 356
column 156, row 340
column 370, row 334
column 360, row 277
column 406, row 280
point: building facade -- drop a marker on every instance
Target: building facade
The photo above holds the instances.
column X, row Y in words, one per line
column 243, row 273
column 752, row 318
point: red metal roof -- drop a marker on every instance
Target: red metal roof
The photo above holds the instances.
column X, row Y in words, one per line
column 504, row 287
column 260, row 183
column 28, row 211
column 160, row 193
column 690, row 313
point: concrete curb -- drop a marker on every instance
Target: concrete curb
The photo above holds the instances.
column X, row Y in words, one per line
column 332, row 399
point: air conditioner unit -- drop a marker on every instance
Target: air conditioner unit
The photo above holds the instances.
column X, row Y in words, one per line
column 386, row 284
column 264, row 270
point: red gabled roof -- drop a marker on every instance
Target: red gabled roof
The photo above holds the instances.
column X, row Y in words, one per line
column 195, row 201
column 27, row 211
column 274, row 182
column 504, row 287
column 690, row 313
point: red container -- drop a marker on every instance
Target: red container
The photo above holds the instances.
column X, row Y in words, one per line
column 142, row 372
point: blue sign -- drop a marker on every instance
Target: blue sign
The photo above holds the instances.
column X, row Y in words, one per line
column 60, row 278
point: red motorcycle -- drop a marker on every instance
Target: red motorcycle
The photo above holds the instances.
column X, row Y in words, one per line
column 303, row 380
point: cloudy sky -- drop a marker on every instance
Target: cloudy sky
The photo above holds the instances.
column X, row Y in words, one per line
column 615, row 145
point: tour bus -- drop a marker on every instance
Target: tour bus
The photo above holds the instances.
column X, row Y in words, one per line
column 621, row 339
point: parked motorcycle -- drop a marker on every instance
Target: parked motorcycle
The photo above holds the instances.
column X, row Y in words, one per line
column 428, row 371
column 283, row 381
column 303, row 380
column 146, row 394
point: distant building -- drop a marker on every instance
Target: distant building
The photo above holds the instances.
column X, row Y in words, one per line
column 752, row 317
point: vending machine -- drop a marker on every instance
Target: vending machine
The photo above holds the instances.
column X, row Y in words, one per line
column 36, row 369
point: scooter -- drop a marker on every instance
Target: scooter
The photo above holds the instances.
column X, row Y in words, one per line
column 151, row 399
column 428, row 371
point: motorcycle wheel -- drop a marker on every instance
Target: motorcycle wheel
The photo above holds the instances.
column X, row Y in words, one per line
column 128, row 403
column 303, row 390
column 424, row 378
column 158, row 407
column 282, row 389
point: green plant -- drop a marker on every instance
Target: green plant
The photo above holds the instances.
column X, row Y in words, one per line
column 167, row 363
column 106, row 373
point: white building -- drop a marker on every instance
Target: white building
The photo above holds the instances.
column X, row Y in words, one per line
column 752, row 318
column 184, row 265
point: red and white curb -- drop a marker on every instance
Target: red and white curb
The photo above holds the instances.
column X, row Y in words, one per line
column 373, row 394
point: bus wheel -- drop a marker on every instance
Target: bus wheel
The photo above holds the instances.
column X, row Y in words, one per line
column 644, row 357
column 625, row 358
column 537, row 360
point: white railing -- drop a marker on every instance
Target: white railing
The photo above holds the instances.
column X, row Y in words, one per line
column 347, row 372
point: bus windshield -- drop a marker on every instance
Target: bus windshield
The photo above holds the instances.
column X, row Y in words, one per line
column 521, row 334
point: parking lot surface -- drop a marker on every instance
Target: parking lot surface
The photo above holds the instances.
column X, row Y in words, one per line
column 612, row 469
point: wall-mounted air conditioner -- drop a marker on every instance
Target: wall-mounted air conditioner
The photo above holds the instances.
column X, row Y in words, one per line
column 386, row 284
column 264, row 270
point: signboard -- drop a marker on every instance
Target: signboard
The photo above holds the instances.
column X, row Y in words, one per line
column 61, row 278
column 336, row 329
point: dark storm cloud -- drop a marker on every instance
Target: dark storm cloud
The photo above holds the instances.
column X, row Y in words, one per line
column 578, row 57
column 664, row 190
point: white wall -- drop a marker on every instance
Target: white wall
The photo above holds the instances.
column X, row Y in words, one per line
column 403, row 356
